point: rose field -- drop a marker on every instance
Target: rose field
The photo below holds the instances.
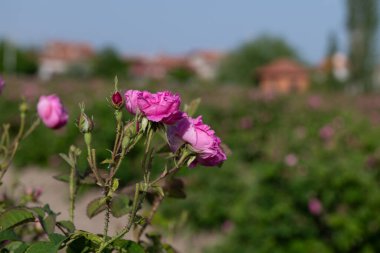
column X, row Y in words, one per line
column 291, row 173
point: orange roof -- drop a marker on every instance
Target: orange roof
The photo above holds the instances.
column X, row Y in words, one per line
column 281, row 66
column 67, row 51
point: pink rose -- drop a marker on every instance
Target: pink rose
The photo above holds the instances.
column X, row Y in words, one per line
column 52, row 112
column 157, row 107
column 131, row 100
column 201, row 138
column 315, row 206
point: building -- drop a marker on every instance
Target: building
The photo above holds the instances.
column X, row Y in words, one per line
column 156, row 68
column 283, row 76
column 57, row 57
column 205, row 63
column 337, row 64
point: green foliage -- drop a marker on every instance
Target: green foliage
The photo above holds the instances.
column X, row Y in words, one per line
column 108, row 63
column 14, row 217
column 362, row 23
column 241, row 64
column 14, row 59
column 181, row 74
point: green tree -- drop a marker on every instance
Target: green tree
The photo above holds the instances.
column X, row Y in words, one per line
column 362, row 21
column 108, row 63
column 241, row 64
column 14, row 59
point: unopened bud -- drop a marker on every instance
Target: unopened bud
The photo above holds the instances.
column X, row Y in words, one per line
column 84, row 123
column 117, row 100
column 23, row 107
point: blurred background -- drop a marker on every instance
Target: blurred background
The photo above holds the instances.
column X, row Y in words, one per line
column 291, row 87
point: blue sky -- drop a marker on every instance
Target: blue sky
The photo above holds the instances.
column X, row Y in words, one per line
column 174, row 26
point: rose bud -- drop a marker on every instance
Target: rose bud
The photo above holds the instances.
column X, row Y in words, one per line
column 117, row 100
column 52, row 112
column 84, row 123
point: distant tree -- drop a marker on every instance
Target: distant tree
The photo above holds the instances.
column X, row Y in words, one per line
column 332, row 49
column 362, row 22
column 108, row 63
column 14, row 59
column 181, row 74
column 241, row 64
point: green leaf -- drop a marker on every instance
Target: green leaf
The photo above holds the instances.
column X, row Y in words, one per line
column 68, row 225
column 191, row 108
column 42, row 247
column 39, row 211
column 16, row 247
column 62, row 177
column 128, row 246
column 96, row 206
column 57, row 240
column 83, row 242
column 120, row 205
column 14, row 217
column 48, row 223
column 8, row 235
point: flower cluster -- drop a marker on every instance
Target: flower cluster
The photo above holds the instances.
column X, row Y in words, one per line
column 164, row 107
column 161, row 107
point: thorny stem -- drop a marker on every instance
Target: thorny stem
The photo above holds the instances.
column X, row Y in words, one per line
column 72, row 193
column 136, row 203
column 92, row 162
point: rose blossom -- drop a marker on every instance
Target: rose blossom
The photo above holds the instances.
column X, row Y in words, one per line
column 157, row 107
column 52, row 112
column 201, row 138
column 315, row 206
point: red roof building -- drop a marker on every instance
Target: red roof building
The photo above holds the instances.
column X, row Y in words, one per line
column 283, row 76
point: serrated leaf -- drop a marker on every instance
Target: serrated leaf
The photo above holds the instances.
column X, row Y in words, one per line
column 128, row 246
column 67, row 160
column 42, row 247
column 14, row 217
column 96, row 206
column 120, row 206
column 68, row 225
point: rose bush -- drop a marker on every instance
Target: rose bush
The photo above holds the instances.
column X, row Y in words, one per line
column 154, row 113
